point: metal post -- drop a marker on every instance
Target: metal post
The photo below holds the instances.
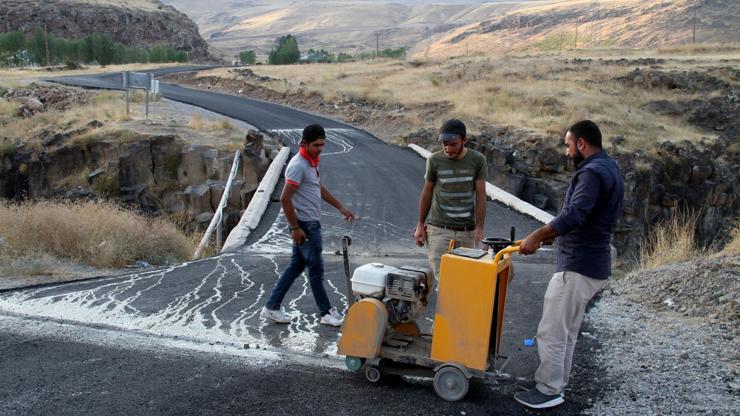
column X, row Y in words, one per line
column 219, row 210
column 146, row 105
column 124, row 82
column 693, row 31
column 219, row 235
column 346, row 242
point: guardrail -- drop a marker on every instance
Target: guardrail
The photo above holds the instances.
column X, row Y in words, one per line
column 498, row 194
column 218, row 216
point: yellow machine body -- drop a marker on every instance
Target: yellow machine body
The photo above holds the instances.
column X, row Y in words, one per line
column 363, row 329
column 470, row 309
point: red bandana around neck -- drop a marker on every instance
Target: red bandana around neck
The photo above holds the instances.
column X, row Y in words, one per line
column 303, row 152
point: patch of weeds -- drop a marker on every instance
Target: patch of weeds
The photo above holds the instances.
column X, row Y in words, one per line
column 6, row 148
column 106, row 186
column 225, row 124
column 436, row 79
column 87, row 139
column 170, row 163
column 74, row 180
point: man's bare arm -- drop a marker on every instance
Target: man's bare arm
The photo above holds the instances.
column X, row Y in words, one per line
column 533, row 241
column 328, row 197
column 286, row 202
column 425, row 202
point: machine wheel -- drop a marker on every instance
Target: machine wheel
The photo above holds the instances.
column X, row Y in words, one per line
column 354, row 363
column 450, row 383
column 372, row 374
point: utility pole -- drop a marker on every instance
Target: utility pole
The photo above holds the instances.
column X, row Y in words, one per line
column 693, row 32
column 593, row 20
column 575, row 41
column 46, row 45
column 561, row 41
column 377, row 44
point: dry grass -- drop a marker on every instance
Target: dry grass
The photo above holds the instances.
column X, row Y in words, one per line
column 105, row 107
column 542, row 93
column 22, row 76
column 7, row 109
column 699, row 49
column 671, row 241
column 100, row 234
column 198, row 123
column 732, row 248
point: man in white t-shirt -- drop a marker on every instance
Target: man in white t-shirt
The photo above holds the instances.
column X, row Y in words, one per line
column 301, row 203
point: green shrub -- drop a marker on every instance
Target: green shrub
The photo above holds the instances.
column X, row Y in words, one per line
column 106, row 186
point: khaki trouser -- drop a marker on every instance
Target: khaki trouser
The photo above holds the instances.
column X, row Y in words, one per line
column 562, row 314
column 438, row 241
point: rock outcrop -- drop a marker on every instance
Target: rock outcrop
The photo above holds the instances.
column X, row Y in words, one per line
column 659, row 181
column 158, row 174
column 156, row 24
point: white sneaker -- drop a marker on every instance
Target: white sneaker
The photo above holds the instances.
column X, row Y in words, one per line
column 332, row 318
column 276, row 316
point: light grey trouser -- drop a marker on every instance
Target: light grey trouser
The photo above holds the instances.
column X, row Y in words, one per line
column 562, row 314
column 438, row 241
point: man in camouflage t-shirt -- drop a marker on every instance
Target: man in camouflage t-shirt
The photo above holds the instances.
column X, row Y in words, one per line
column 453, row 201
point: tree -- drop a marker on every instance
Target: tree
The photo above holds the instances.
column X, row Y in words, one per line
column 103, row 49
column 285, row 52
column 36, row 46
column 247, row 57
column 11, row 48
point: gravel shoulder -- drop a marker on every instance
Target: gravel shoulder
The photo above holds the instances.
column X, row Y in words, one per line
column 668, row 344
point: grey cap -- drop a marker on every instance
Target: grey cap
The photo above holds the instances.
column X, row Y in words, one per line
column 451, row 129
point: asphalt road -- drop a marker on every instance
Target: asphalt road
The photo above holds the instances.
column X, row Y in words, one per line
column 217, row 301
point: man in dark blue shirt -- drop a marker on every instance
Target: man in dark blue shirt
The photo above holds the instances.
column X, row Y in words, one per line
column 583, row 229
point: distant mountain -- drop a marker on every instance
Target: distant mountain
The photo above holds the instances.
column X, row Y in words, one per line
column 441, row 28
column 130, row 22
column 336, row 26
column 581, row 23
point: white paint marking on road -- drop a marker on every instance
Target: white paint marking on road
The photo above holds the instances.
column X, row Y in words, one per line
column 335, row 137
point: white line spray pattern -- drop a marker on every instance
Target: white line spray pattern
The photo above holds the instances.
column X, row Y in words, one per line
column 219, row 299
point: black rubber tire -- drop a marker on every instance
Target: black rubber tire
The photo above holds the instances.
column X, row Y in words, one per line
column 372, row 374
column 450, row 383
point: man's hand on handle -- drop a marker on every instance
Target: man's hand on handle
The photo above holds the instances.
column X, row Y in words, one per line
column 542, row 235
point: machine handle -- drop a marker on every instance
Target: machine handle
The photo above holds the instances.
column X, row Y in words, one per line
column 346, row 242
column 514, row 248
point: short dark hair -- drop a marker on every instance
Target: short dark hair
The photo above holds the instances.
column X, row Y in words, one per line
column 451, row 127
column 313, row 132
column 588, row 131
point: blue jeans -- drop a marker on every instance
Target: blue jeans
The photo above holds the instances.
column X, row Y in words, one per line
column 307, row 255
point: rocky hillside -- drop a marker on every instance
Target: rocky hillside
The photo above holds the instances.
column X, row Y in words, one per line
column 334, row 25
column 449, row 28
column 661, row 178
column 579, row 24
column 154, row 173
column 133, row 23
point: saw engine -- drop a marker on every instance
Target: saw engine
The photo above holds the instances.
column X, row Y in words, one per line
column 403, row 290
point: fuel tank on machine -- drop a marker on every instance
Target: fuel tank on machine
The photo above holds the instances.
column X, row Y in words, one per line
column 363, row 329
